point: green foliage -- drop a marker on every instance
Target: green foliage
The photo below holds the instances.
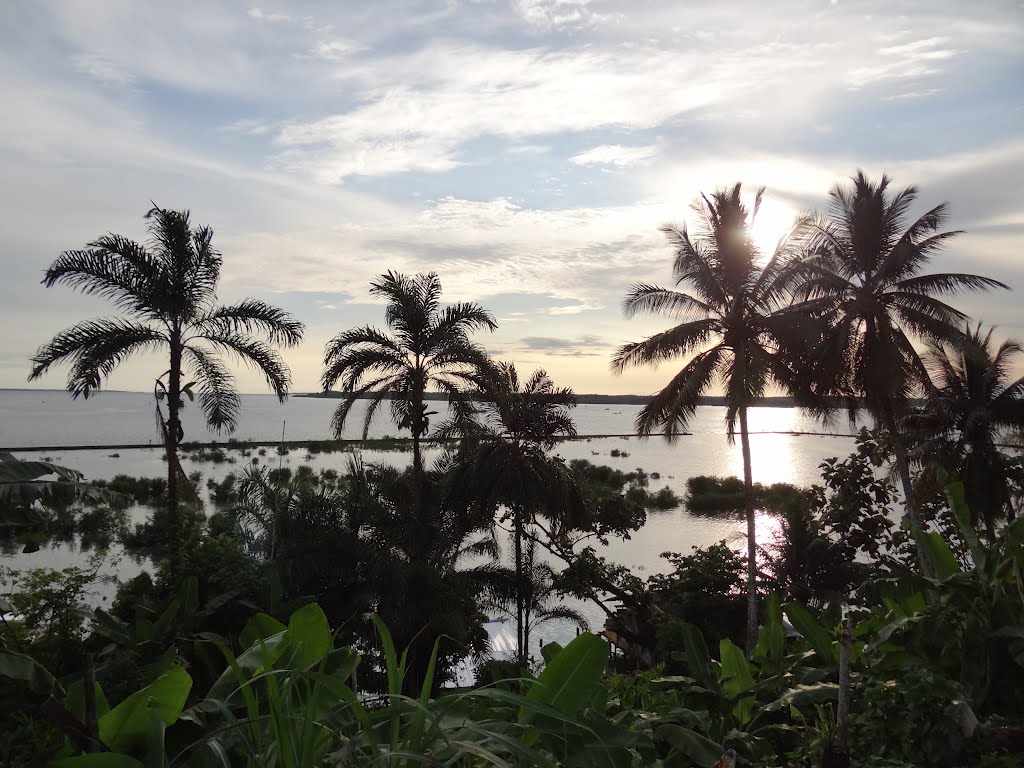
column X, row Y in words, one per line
column 47, row 606
column 905, row 719
column 703, row 588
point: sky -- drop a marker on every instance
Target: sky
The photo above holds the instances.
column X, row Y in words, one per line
column 526, row 151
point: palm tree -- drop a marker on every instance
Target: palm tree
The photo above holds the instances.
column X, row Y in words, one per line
column 864, row 275
column 167, row 290
column 975, row 402
column 540, row 579
column 736, row 328
column 428, row 347
column 504, row 462
column 432, row 571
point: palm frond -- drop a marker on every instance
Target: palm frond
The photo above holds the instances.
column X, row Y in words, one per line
column 652, row 299
column 672, row 408
column 667, row 345
column 218, row 395
column 945, row 283
column 113, row 268
column 95, row 348
column 257, row 355
column 253, row 315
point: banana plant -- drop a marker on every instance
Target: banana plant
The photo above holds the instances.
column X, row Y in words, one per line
column 289, row 699
column 973, row 632
column 739, row 703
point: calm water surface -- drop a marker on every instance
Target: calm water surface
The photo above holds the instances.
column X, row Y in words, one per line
column 49, row 418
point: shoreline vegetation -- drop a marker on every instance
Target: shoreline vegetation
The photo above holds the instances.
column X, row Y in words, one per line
column 584, row 399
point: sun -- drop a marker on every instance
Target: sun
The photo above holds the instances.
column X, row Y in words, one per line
column 774, row 220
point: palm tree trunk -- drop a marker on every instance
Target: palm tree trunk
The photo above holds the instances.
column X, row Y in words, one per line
column 417, row 426
column 748, row 498
column 521, row 633
column 909, row 496
column 173, row 426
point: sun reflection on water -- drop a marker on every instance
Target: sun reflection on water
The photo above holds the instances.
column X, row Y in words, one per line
column 771, row 446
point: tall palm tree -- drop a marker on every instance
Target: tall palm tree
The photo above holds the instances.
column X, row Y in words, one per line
column 166, row 288
column 975, row 403
column 864, row 275
column 736, row 327
column 503, row 461
column 429, row 347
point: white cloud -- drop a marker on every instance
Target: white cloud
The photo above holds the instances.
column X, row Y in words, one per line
column 335, row 50
column 559, row 13
column 252, row 126
column 260, row 15
column 918, row 59
column 915, row 95
column 572, row 309
column 614, row 154
column 103, row 69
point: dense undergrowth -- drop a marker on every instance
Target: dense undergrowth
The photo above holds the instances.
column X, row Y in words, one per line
column 272, row 638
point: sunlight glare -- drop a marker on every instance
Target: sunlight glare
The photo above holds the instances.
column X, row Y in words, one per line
column 774, row 220
column 771, row 458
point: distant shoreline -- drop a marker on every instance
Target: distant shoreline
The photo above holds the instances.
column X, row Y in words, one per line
column 380, row 443
column 584, row 399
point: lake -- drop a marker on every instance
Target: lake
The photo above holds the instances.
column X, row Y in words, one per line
column 35, row 418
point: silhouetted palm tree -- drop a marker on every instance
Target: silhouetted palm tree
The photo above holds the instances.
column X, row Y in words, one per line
column 864, row 276
column 167, row 288
column 736, row 328
column 540, row 593
column 974, row 404
column 429, row 347
column 433, row 572
column 503, row 461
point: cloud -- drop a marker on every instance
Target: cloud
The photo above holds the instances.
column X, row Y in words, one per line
column 272, row 16
column 914, row 95
column 251, row 126
column 565, row 347
column 614, row 154
column 559, row 13
column 103, row 69
column 335, row 50
column 418, row 112
column 572, row 309
column 913, row 60
column 529, row 150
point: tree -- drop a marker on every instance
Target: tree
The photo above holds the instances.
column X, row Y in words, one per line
column 428, row 347
column 736, row 328
column 537, row 590
column 504, row 462
column 975, row 402
column 431, row 572
column 864, row 275
column 167, row 290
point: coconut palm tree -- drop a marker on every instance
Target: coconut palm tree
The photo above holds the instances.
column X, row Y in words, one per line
column 166, row 290
column 865, row 276
column 503, row 462
column 429, row 347
column 735, row 328
column 974, row 404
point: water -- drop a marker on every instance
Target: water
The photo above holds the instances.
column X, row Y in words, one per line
column 35, row 418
